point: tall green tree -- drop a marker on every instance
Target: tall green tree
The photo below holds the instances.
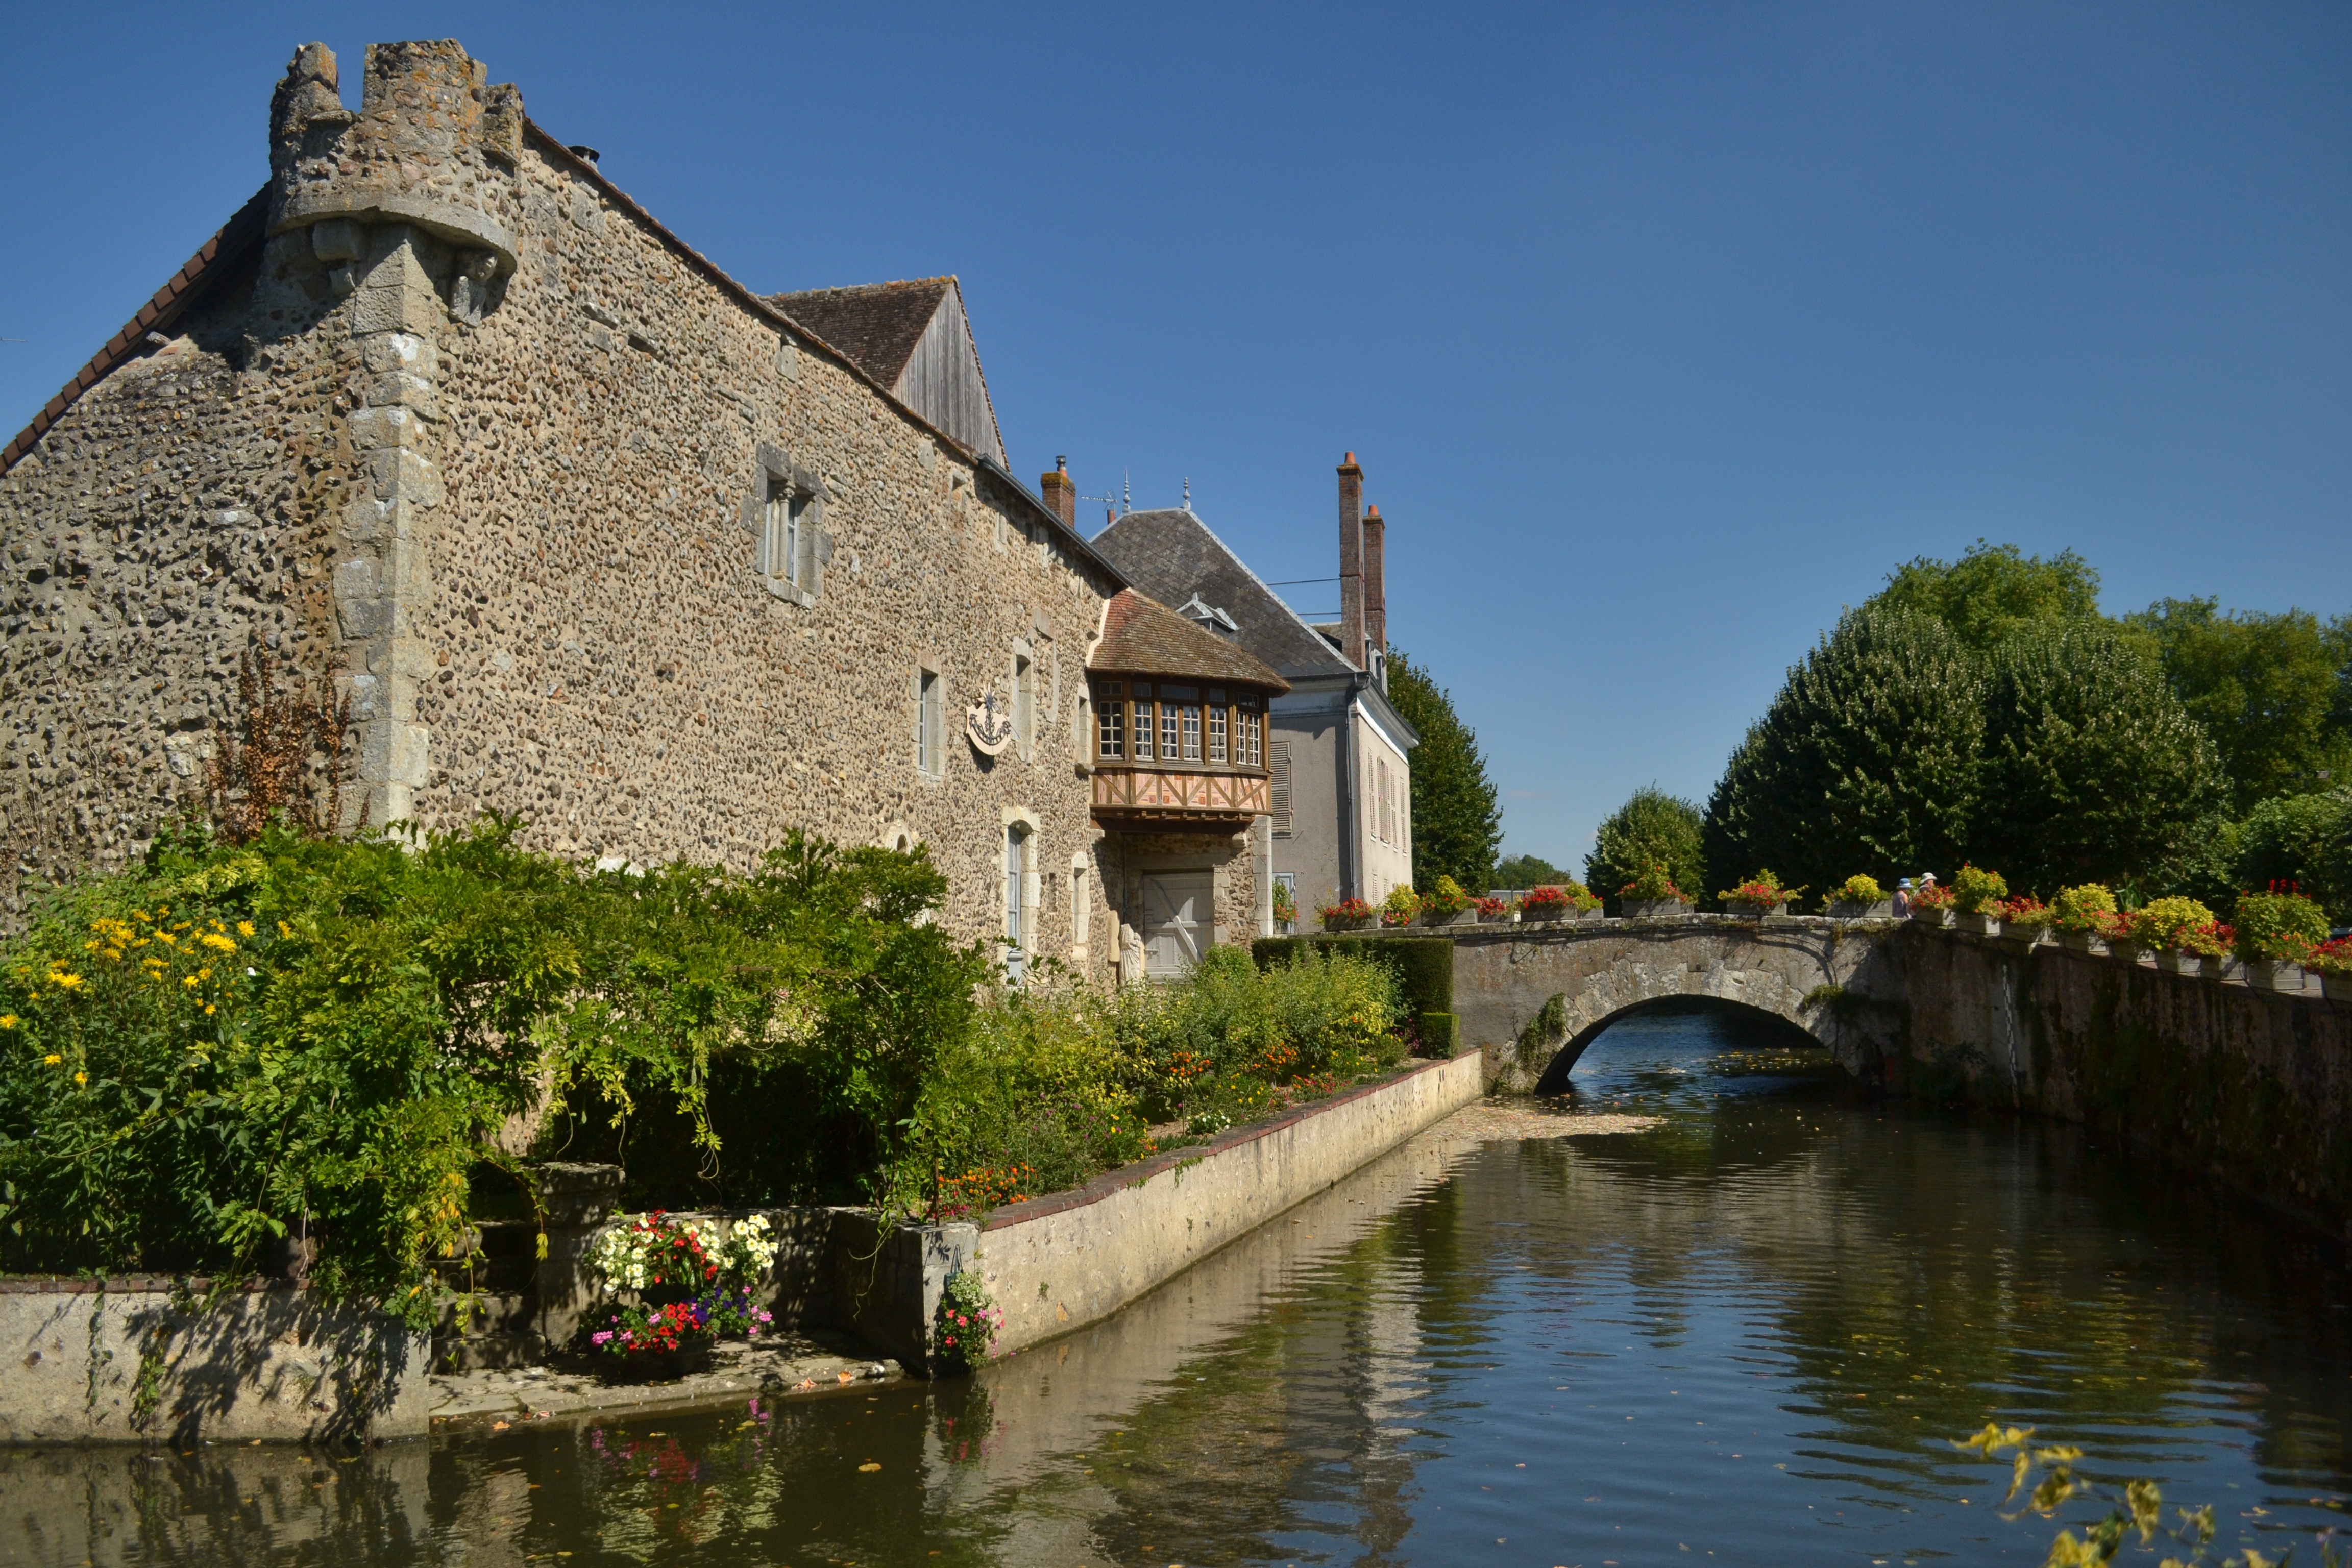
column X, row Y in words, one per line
column 1651, row 825
column 1527, row 871
column 2093, row 771
column 1866, row 762
column 1993, row 589
column 2270, row 687
column 2305, row 839
column 1457, row 823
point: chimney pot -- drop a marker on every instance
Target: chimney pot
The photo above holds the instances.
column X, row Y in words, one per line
column 1059, row 493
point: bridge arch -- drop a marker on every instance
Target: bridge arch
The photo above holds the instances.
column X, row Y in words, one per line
column 1533, row 1001
column 1554, row 1079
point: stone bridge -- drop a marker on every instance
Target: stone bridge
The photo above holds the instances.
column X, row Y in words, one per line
column 2255, row 1087
column 1810, row 974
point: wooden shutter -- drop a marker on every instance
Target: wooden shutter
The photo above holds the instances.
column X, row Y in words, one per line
column 1279, row 795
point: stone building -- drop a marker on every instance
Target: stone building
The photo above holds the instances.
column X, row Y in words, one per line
column 1340, row 804
column 579, row 526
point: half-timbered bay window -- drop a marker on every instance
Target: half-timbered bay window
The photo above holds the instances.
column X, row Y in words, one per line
column 1173, row 752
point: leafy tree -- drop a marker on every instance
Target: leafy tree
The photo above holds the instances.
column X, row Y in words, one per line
column 1652, row 825
column 2092, row 770
column 2270, row 687
column 1994, row 589
column 2305, row 839
column 1865, row 761
column 1527, row 871
column 1457, row 823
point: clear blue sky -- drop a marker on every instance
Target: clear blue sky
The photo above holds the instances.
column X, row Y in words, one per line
column 1663, row 331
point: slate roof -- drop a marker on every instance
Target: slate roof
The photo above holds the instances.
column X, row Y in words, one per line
column 1172, row 556
column 1143, row 636
column 877, row 324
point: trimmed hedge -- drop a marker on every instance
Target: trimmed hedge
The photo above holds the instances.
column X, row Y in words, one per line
column 1423, row 966
column 1440, row 1035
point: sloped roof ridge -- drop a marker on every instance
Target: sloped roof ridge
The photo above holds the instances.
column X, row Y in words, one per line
column 178, row 291
column 1249, row 571
column 1143, row 636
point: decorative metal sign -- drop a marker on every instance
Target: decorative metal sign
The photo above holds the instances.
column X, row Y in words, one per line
column 988, row 725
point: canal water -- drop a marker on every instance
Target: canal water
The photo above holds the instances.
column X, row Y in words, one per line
column 1746, row 1334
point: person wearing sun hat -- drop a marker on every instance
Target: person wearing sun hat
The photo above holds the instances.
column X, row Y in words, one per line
column 1903, row 898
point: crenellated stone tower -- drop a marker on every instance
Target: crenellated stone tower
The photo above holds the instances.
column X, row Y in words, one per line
column 410, row 206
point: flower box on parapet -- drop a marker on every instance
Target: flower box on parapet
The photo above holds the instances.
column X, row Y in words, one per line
column 2076, row 914
column 2276, row 931
column 1976, row 897
column 1347, row 914
column 1446, row 904
column 1652, row 896
column 1760, row 895
column 1858, row 898
column 2332, row 961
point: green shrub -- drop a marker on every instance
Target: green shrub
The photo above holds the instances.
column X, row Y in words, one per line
column 1422, row 968
column 2167, row 924
column 2278, row 924
column 203, row 1052
column 1859, row 889
column 2305, row 839
column 2080, row 908
column 1974, row 890
column 1440, row 1035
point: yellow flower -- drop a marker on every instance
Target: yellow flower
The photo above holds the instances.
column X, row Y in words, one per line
column 81, row 1077
column 285, row 930
column 143, row 914
column 66, row 981
column 208, row 1009
column 189, row 980
column 244, row 928
column 7, row 1020
column 52, row 1060
column 217, row 942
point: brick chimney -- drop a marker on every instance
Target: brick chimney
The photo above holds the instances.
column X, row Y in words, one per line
column 1376, row 597
column 1351, row 562
column 1060, row 493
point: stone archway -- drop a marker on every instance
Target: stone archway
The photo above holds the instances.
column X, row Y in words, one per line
column 1554, row 1079
column 1527, row 999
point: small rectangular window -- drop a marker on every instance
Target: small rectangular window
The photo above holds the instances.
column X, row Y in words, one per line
column 787, row 543
column 1192, row 734
column 1278, row 789
column 1143, row 731
column 1253, row 733
column 1216, row 734
column 1024, row 701
column 1169, row 750
column 930, row 722
column 1112, row 725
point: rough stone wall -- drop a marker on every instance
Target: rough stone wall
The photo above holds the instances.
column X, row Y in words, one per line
column 488, row 449
column 607, row 655
column 178, row 515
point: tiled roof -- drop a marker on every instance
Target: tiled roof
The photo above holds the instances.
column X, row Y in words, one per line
column 1172, row 556
column 877, row 324
column 177, row 295
column 1144, row 637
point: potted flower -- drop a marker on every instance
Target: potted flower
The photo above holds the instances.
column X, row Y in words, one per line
column 1760, row 895
column 2164, row 927
column 1492, row 911
column 2025, row 918
column 644, row 1343
column 1652, row 895
column 1447, row 905
column 1546, row 904
column 2122, row 940
column 2332, row 961
column 1586, row 902
column 1347, row 914
column 1932, row 904
column 1977, row 895
column 658, row 1258
column 1401, row 906
column 2276, row 931
column 1285, row 909
column 2213, row 943
column 2076, row 915
column 1858, row 898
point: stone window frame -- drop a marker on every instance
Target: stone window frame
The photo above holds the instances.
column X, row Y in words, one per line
column 931, row 768
column 1021, row 696
column 804, row 584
